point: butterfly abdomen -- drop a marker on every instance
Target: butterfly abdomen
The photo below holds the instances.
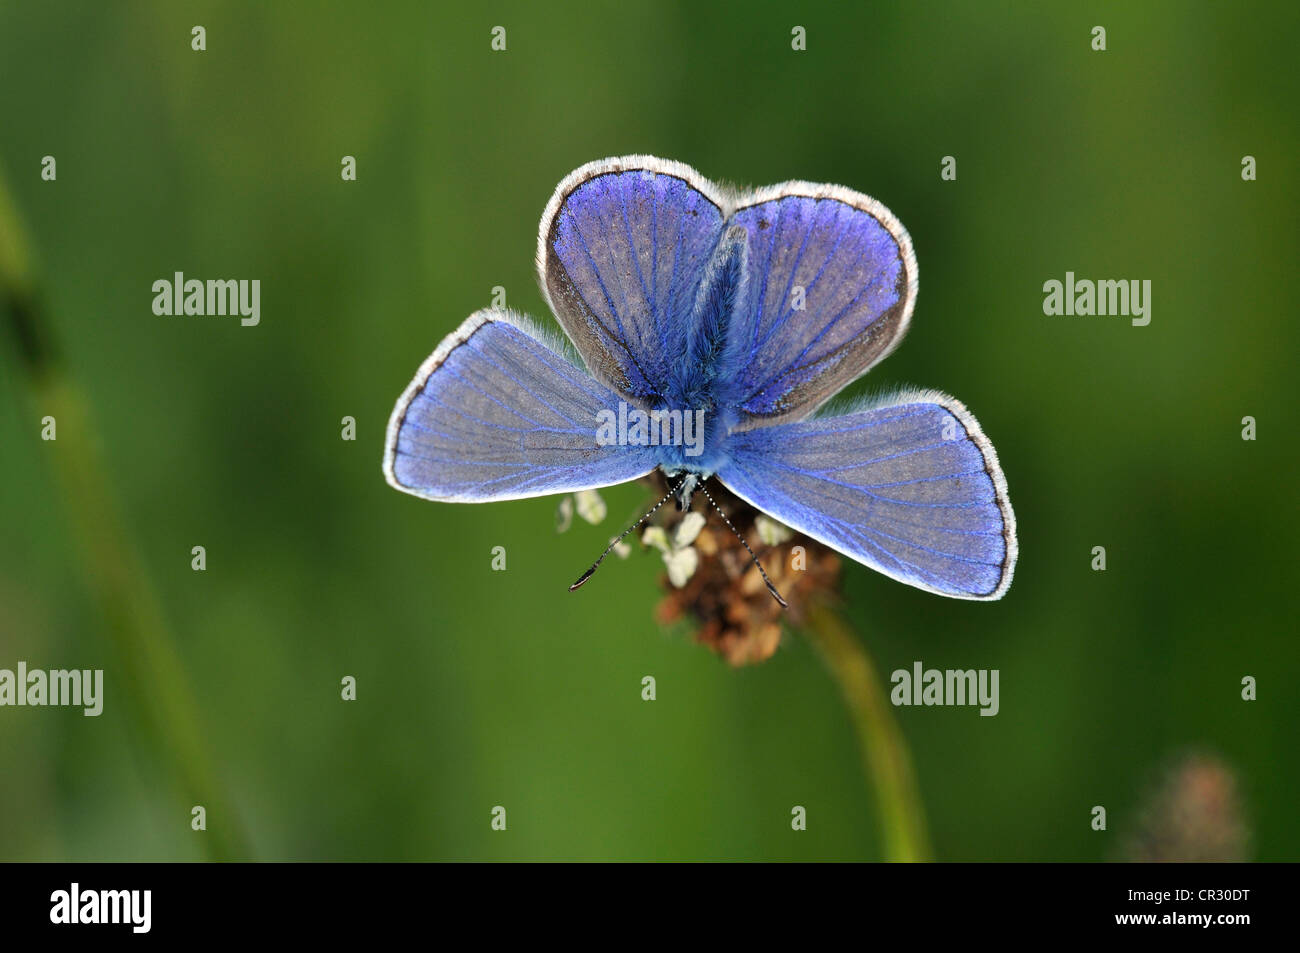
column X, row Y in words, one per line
column 721, row 292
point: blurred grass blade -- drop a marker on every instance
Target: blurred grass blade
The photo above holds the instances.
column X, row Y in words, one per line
column 148, row 674
column 884, row 752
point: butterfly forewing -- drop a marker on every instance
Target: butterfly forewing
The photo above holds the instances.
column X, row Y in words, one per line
column 910, row 487
column 497, row 414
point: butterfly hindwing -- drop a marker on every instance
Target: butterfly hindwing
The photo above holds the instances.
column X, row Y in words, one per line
column 622, row 249
column 832, row 283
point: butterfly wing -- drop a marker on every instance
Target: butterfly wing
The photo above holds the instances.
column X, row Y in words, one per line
column 621, row 253
column 832, row 283
column 496, row 413
column 910, row 487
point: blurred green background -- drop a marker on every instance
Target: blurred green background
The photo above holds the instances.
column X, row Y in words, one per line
column 478, row 688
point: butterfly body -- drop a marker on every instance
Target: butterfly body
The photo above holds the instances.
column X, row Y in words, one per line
column 720, row 323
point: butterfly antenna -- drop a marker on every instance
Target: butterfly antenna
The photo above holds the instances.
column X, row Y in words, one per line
column 596, row 565
column 770, row 588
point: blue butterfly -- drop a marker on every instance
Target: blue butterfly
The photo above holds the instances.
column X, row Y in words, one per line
column 746, row 311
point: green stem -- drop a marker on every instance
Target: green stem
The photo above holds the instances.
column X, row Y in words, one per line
column 148, row 671
column 884, row 752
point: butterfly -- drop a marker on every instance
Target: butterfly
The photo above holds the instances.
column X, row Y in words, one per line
column 688, row 302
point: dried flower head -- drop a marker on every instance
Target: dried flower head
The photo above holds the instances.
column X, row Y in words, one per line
column 1193, row 814
column 725, row 598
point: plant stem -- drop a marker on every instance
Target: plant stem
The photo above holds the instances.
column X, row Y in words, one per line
column 148, row 671
column 885, row 756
